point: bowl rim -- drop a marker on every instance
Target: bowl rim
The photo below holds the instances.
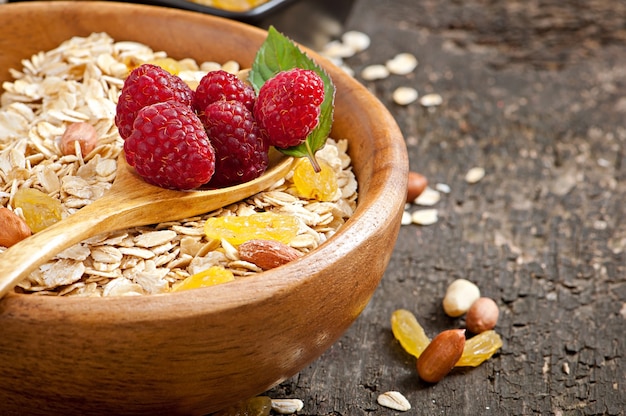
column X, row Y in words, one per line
column 392, row 162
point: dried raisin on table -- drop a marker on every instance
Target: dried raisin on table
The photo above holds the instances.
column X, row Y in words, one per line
column 479, row 349
column 256, row 406
column 408, row 331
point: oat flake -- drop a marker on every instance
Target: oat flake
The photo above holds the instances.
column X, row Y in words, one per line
column 358, row 41
column 428, row 197
column 474, row 175
column 402, row 64
column 431, row 100
column 374, row 72
column 404, row 95
column 425, row 216
column 394, row 400
column 287, row 406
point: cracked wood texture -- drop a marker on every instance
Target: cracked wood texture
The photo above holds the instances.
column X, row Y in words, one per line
column 535, row 93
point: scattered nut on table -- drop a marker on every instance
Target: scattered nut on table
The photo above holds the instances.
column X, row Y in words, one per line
column 459, row 297
column 440, row 356
column 482, row 315
column 415, row 185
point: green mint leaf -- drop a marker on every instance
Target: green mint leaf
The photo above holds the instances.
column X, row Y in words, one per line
column 278, row 53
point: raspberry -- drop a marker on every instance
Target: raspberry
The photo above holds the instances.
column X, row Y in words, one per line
column 241, row 154
column 288, row 106
column 169, row 147
column 148, row 84
column 221, row 85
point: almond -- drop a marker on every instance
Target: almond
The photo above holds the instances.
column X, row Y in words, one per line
column 267, row 254
column 82, row 133
column 13, row 229
column 440, row 356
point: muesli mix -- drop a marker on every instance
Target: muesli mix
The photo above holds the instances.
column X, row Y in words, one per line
column 80, row 82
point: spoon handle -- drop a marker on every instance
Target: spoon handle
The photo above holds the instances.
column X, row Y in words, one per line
column 22, row 258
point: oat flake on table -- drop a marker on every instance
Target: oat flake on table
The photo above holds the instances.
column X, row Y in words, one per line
column 80, row 80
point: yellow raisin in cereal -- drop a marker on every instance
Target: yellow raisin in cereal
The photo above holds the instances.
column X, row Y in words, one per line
column 479, row 348
column 210, row 277
column 259, row 226
column 40, row 210
column 321, row 185
column 169, row 64
column 408, row 331
column 232, row 5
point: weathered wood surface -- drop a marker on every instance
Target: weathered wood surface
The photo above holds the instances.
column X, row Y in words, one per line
column 534, row 92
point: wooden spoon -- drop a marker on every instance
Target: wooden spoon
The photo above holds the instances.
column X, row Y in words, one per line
column 130, row 202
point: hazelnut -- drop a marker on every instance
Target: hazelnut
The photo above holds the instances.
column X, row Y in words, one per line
column 415, row 186
column 82, row 133
column 13, row 228
column 482, row 315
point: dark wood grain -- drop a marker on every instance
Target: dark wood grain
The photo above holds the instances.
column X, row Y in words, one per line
column 534, row 92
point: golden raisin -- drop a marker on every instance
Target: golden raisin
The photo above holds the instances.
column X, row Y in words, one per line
column 233, row 5
column 408, row 331
column 256, row 406
column 321, row 186
column 40, row 210
column 261, row 226
column 479, row 349
column 169, row 64
column 210, row 277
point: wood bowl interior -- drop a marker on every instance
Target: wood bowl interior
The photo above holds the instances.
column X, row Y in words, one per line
column 197, row 351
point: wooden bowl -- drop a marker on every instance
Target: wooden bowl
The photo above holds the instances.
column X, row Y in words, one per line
column 197, row 351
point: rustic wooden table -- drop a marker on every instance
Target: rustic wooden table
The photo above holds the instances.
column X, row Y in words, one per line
column 536, row 95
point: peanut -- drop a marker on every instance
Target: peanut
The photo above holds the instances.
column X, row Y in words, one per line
column 460, row 295
column 13, row 229
column 415, row 186
column 440, row 356
column 482, row 315
column 82, row 133
column 267, row 254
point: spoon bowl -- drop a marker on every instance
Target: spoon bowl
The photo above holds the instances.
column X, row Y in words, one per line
column 130, row 202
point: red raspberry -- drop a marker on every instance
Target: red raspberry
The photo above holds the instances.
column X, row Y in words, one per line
column 148, row 84
column 240, row 151
column 221, row 85
column 169, row 147
column 288, row 106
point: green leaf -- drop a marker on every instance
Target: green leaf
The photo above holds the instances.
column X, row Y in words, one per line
column 278, row 53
